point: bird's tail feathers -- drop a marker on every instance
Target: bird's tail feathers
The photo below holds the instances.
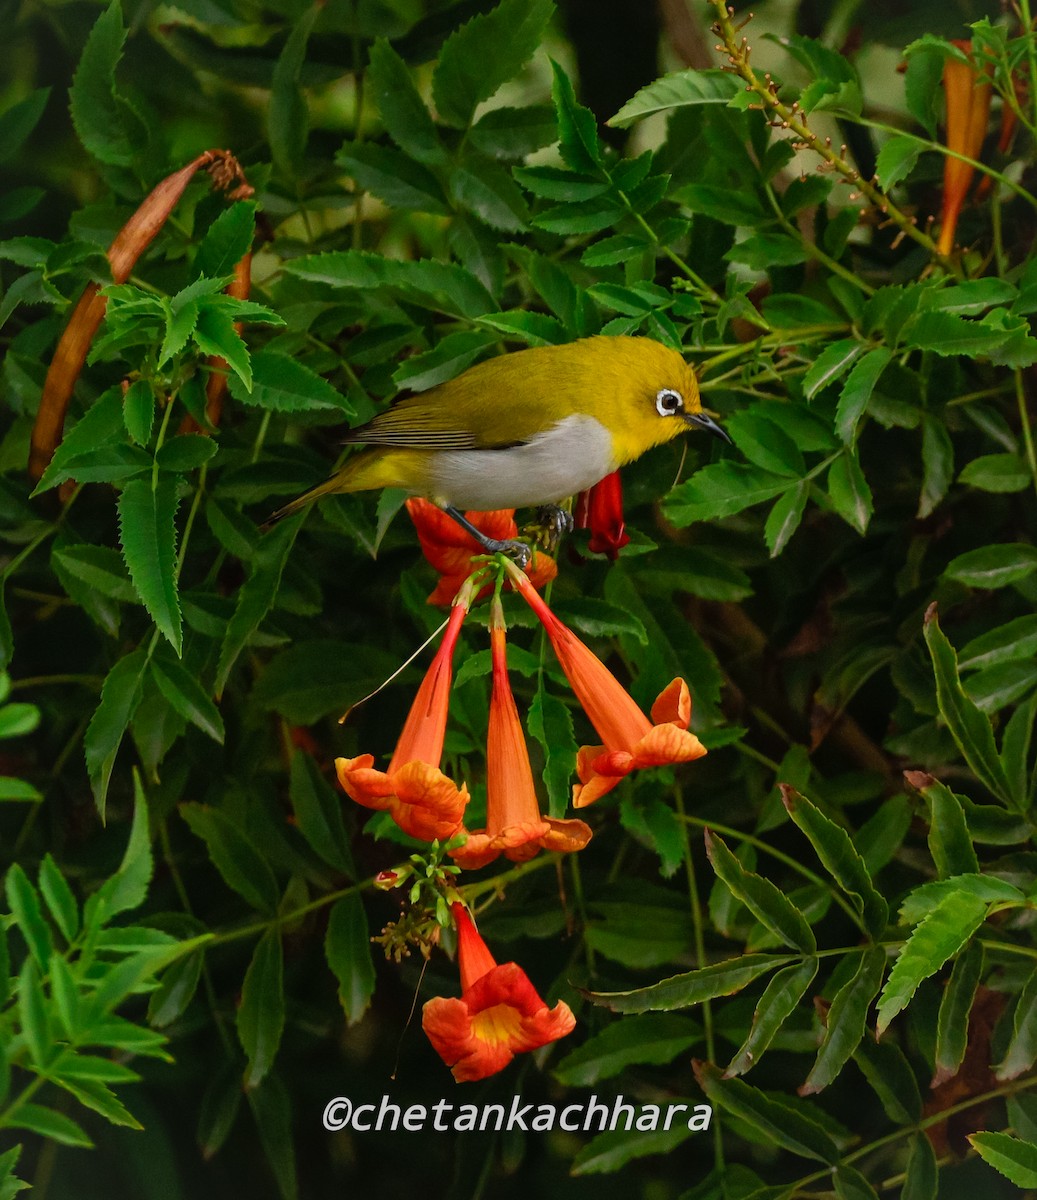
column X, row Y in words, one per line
column 332, row 484
column 379, row 468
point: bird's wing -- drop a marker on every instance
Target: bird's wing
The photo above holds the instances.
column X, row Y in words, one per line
column 422, row 426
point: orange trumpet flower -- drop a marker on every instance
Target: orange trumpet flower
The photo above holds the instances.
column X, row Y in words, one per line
column 514, row 826
column 630, row 740
column 498, row 1015
column 968, row 108
column 413, row 790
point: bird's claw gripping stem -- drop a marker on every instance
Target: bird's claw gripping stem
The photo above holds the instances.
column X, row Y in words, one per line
column 516, row 550
column 555, row 520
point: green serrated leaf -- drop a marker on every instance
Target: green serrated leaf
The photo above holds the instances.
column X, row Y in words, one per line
column 952, row 1025
column 184, row 692
column 831, row 365
column 845, row 1025
column 214, row 334
column 281, row 383
column 261, row 1014
column 127, row 888
column 784, row 518
column 782, row 994
column 680, row 89
column 1014, row 1158
column 100, row 117
column 138, row 411
column 450, row 356
column 33, row 1014
column 691, row 988
column 227, row 240
column 856, row 391
column 720, row 490
column 175, row 991
column 994, row 566
column 512, row 133
column 59, row 897
column 477, row 59
column 318, row 814
column 772, row 1116
column 1022, row 1049
column 849, row 492
column 405, row 115
column 940, row 934
column 614, row 1148
column 98, row 427
column 949, row 841
column 550, row 722
column 18, row 122
column 577, row 129
column 234, row 855
column 24, row 903
column 48, row 1124
column 147, row 532
column 768, row 904
column 394, row 177
column 347, row 947
column 896, row 160
column 257, row 594
column 489, row 192
column 288, row 115
column 970, row 729
column 120, row 696
column 835, row 848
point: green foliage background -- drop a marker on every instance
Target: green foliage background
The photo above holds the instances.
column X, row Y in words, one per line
column 186, row 972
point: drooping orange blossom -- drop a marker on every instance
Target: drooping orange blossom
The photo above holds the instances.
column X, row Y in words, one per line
column 630, row 740
column 423, row 802
column 498, row 1014
column 967, row 93
column 514, row 825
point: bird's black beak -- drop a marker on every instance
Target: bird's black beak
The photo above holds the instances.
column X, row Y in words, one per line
column 703, row 421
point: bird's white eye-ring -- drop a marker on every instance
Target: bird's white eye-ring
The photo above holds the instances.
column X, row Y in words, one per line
column 668, row 402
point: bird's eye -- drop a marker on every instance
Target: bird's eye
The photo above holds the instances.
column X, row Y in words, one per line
column 668, row 402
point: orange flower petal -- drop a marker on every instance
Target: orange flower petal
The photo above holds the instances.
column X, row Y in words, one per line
column 673, row 705
column 422, row 801
column 500, row 1016
column 566, row 836
column 667, row 742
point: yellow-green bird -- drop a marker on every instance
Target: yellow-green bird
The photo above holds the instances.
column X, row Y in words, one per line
column 528, row 428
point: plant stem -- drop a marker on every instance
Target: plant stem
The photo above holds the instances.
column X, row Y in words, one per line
column 1024, row 424
column 698, row 927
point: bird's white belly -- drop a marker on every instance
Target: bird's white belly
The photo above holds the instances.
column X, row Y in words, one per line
column 569, row 457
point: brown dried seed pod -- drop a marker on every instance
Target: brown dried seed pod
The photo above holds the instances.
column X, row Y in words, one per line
column 130, row 243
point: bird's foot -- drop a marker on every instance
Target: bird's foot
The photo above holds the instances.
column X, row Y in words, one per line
column 518, row 551
column 555, row 520
column 550, row 525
